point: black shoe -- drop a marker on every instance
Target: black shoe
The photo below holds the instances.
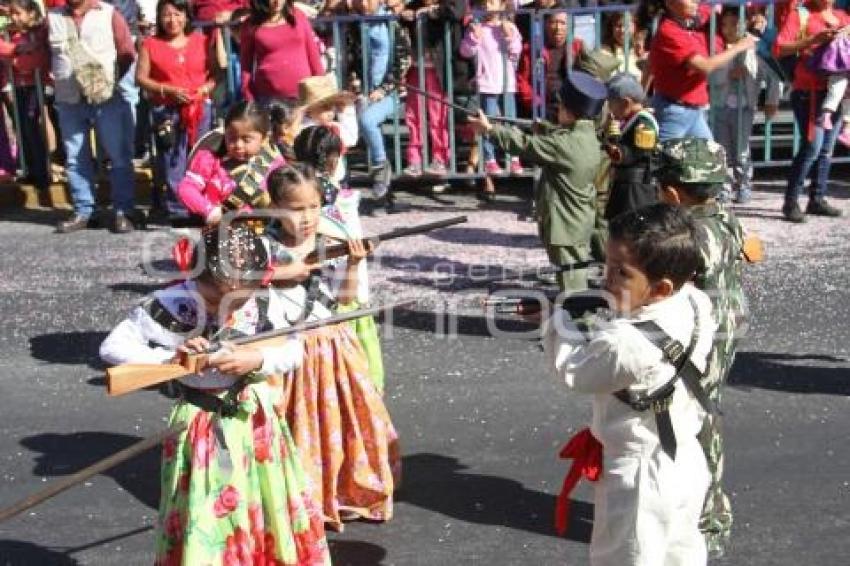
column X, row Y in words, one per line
column 122, row 224
column 819, row 207
column 793, row 213
column 74, row 224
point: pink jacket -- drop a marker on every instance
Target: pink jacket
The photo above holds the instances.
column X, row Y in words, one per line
column 496, row 57
column 207, row 183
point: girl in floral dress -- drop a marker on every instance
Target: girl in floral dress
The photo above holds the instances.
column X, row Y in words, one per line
column 340, row 424
column 232, row 488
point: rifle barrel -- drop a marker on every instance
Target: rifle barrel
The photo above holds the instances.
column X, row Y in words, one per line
column 420, row 228
column 313, row 324
column 518, row 122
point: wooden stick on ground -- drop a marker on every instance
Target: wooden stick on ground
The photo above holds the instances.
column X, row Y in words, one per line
column 59, row 486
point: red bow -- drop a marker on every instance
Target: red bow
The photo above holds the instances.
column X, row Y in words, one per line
column 181, row 253
column 586, row 453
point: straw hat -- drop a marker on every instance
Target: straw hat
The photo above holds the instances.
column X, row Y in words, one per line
column 321, row 90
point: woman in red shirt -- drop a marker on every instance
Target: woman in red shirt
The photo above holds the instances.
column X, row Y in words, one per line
column 680, row 64
column 822, row 24
column 176, row 70
column 277, row 49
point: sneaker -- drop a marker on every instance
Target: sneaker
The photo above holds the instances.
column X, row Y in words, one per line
column 743, row 197
column 793, row 213
column 413, row 170
column 516, row 167
column 826, row 121
column 819, row 207
column 492, row 168
column 381, row 173
column 844, row 137
column 380, row 190
column 437, row 169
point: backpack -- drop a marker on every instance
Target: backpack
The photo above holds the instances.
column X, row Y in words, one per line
column 95, row 84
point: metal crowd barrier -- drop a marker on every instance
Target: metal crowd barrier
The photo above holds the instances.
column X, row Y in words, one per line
column 770, row 137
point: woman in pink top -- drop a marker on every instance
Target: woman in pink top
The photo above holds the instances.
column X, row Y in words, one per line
column 496, row 45
column 278, row 48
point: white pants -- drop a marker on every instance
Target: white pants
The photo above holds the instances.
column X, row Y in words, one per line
column 648, row 508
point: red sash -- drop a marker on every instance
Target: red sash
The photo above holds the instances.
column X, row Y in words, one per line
column 586, row 453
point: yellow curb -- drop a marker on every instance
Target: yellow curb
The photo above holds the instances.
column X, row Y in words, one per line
column 27, row 197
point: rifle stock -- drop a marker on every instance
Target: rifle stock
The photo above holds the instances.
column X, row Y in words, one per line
column 125, row 378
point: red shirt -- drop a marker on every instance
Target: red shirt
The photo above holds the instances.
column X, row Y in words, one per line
column 25, row 65
column 281, row 55
column 206, row 10
column 186, row 67
column 805, row 78
column 672, row 47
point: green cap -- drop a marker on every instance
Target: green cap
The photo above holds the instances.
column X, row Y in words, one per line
column 685, row 161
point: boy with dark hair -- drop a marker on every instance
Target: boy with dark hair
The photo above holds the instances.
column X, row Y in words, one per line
column 642, row 361
column 568, row 154
column 691, row 173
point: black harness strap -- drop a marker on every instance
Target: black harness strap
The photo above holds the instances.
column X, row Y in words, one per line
column 163, row 317
column 659, row 401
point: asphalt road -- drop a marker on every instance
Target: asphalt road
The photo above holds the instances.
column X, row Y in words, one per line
column 480, row 420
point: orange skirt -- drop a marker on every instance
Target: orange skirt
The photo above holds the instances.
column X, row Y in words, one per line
column 347, row 443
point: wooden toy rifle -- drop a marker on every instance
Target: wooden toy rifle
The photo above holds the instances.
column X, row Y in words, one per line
column 131, row 377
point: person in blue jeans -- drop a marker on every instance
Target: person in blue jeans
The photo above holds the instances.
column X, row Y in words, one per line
column 387, row 64
column 104, row 34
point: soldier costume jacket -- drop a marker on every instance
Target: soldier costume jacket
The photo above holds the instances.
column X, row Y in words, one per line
column 721, row 239
column 569, row 158
column 632, row 185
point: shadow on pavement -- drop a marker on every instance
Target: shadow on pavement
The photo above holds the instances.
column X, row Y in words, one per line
column 71, row 348
column 482, row 236
column 66, row 454
column 804, row 373
column 20, row 553
column 356, row 553
column 443, row 325
column 439, row 483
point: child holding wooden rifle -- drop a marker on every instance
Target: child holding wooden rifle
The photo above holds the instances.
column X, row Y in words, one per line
column 338, row 419
column 321, row 148
column 233, row 488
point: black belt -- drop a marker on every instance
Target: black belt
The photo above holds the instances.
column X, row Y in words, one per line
column 631, row 175
column 225, row 406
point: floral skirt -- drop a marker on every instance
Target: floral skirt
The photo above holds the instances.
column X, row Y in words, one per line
column 366, row 331
column 348, row 445
column 234, row 492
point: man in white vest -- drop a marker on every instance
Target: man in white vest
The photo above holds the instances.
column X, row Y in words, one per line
column 91, row 47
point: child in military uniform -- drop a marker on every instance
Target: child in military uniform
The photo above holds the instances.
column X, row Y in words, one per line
column 568, row 154
column 691, row 173
column 631, row 153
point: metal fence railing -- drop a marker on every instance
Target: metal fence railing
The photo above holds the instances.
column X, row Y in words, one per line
column 773, row 141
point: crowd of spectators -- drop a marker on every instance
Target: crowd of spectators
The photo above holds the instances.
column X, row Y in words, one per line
column 168, row 71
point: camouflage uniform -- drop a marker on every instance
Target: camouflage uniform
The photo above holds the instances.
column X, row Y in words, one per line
column 687, row 161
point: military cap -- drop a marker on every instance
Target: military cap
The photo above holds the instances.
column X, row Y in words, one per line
column 625, row 85
column 583, row 95
column 692, row 161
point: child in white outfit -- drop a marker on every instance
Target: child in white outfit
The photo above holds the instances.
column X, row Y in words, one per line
column 650, row 492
